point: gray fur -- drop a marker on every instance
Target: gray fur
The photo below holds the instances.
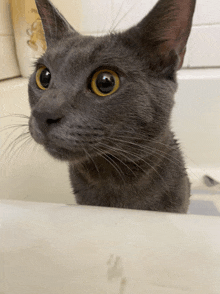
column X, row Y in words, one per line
column 120, row 149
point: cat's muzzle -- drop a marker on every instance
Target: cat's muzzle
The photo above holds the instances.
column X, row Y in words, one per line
column 35, row 131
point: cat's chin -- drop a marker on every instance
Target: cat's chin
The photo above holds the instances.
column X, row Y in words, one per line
column 64, row 154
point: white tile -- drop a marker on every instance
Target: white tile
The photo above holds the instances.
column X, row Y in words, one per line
column 153, row 2
column 207, row 12
column 9, row 67
column 186, row 62
column 186, row 59
column 96, row 16
column 125, row 14
column 5, row 18
column 121, row 14
column 203, row 46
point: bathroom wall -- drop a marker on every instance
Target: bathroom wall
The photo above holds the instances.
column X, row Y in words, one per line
column 100, row 16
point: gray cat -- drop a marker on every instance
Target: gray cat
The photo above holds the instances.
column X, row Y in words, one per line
column 103, row 104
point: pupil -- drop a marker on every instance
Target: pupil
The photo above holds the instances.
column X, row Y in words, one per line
column 45, row 78
column 105, row 82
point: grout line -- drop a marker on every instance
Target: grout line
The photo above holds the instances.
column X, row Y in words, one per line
column 194, row 25
column 206, row 24
column 201, row 67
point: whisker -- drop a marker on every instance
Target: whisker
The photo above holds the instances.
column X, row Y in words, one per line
column 13, row 143
column 145, row 148
column 12, row 132
column 148, row 164
column 117, row 149
column 162, row 154
column 19, row 149
column 106, row 21
column 146, row 140
column 13, row 126
column 149, row 141
column 159, row 151
column 111, row 162
column 89, row 156
column 141, row 159
column 143, row 139
column 15, row 115
column 113, row 23
column 124, row 16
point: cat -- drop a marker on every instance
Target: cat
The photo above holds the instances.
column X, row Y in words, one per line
column 103, row 105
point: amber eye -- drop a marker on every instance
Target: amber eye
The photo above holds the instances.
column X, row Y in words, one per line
column 43, row 77
column 105, row 82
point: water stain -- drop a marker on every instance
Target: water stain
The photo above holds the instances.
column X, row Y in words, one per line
column 115, row 272
column 115, row 268
column 123, row 286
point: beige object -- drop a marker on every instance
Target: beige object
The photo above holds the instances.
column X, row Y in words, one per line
column 9, row 66
column 29, row 37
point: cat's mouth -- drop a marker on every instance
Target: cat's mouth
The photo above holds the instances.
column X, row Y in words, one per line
column 57, row 151
column 63, row 153
column 56, row 146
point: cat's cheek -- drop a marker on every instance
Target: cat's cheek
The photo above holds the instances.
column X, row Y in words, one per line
column 35, row 132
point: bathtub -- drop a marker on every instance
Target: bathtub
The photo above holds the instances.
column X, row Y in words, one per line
column 51, row 245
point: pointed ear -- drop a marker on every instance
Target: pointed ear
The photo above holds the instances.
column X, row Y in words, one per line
column 54, row 24
column 165, row 30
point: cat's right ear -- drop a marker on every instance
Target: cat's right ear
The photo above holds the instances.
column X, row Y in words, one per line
column 54, row 24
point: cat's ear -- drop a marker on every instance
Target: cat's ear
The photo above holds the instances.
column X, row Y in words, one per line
column 165, row 30
column 54, row 24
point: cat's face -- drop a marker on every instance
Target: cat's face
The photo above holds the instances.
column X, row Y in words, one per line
column 89, row 93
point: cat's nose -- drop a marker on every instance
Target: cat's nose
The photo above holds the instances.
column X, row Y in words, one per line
column 48, row 113
column 46, row 118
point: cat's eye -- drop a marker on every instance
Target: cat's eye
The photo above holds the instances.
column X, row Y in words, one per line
column 105, row 82
column 43, row 77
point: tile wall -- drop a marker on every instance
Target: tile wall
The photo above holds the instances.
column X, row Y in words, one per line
column 100, row 16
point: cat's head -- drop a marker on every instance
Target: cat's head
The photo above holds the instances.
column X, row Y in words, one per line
column 87, row 92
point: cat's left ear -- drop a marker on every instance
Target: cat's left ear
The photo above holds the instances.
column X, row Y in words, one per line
column 164, row 32
column 54, row 24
